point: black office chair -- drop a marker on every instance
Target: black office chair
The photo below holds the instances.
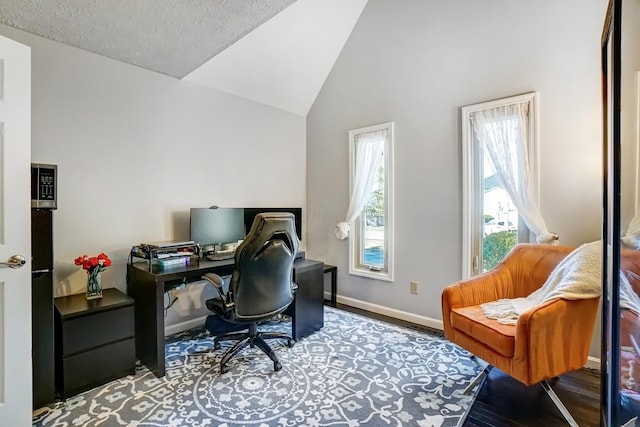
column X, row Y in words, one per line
column 261, row 285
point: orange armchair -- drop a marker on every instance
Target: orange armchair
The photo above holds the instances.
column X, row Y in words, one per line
column 547, row 340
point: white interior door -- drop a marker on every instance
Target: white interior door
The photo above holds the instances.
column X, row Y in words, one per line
column 15, row 231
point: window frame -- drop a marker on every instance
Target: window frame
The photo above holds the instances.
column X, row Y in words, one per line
column 472, row 158
column 355, row 238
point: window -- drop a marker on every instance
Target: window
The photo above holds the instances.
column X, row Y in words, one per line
column 371, row 189
column 500, row 180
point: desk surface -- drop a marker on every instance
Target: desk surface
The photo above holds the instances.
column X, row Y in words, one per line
column 196, row 266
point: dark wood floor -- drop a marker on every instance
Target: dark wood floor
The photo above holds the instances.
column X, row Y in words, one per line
column 505, row 402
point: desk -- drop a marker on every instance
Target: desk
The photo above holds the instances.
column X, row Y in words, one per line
column 147, row 289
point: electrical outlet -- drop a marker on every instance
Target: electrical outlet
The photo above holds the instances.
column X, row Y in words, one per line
column 414, row 287
column 174, row 293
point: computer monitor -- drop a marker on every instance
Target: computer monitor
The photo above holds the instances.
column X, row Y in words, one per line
column 250, row 214
column 211, row 226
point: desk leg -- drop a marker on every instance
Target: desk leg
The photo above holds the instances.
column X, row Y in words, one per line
column 149, row 319
column 333, row 271
column 334, row 287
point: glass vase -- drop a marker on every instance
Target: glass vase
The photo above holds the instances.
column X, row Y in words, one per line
column 94, row 285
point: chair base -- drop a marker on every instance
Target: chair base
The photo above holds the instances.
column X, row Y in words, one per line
column 545, row 385
column 477, row 380
column 251, row 338
column 556, row 400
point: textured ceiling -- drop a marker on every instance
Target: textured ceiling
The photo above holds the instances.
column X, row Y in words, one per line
column 172, row 37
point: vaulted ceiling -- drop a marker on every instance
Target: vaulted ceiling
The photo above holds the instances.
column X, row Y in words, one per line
column 277, row 52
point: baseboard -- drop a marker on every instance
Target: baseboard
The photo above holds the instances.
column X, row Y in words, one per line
column 593, row 363
column 183, row 326
column 391, row 312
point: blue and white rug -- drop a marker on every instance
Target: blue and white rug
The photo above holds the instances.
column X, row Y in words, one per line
column 354, row 372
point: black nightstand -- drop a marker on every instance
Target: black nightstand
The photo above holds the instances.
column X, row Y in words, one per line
column 94, row 340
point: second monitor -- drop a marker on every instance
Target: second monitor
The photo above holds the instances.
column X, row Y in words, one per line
column 209, row 227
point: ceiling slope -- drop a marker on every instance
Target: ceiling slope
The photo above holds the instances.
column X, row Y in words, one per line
column 285, row 61
column 172, row 37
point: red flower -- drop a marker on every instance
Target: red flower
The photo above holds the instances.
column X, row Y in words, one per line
column 100, row 262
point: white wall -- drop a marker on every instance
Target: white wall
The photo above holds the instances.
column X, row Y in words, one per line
column 416, row 62
column 137, row 149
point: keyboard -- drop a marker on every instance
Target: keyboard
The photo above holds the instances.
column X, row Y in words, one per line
column 220, row 255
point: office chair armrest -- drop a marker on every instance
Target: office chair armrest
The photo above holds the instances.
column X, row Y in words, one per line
column 217, row 283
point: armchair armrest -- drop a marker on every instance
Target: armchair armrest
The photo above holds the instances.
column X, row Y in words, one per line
column 476, row 290
column 557, row 335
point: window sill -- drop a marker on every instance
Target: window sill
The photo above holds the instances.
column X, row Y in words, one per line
column 370, row 274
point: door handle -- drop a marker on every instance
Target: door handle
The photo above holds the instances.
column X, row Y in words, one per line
column 14, row 261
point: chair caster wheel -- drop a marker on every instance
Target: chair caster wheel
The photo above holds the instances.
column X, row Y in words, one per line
column 277, row 366
column 216, row 346
column 224, row 369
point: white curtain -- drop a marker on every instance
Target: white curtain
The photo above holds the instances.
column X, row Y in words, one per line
column 369, row 152
column 503, row 132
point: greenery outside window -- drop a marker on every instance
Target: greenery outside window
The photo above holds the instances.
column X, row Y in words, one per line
column 499, row 154
column 371, row 239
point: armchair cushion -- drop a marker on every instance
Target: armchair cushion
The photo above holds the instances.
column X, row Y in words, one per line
column 497, row 336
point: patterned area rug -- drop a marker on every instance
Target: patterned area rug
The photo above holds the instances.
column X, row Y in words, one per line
column 354, row 372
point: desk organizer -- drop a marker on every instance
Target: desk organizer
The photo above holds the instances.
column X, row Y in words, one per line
column 165, row 254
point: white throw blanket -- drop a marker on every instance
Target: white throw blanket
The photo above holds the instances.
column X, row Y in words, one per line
column 577, row 276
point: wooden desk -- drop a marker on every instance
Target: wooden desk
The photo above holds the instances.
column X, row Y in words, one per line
column 147, row 289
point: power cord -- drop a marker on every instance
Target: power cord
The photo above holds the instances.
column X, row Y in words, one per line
column 171, row 302
column 168, row 295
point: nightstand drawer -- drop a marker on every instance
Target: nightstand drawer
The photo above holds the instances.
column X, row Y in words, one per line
column 86, row 332
column 98, row 366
